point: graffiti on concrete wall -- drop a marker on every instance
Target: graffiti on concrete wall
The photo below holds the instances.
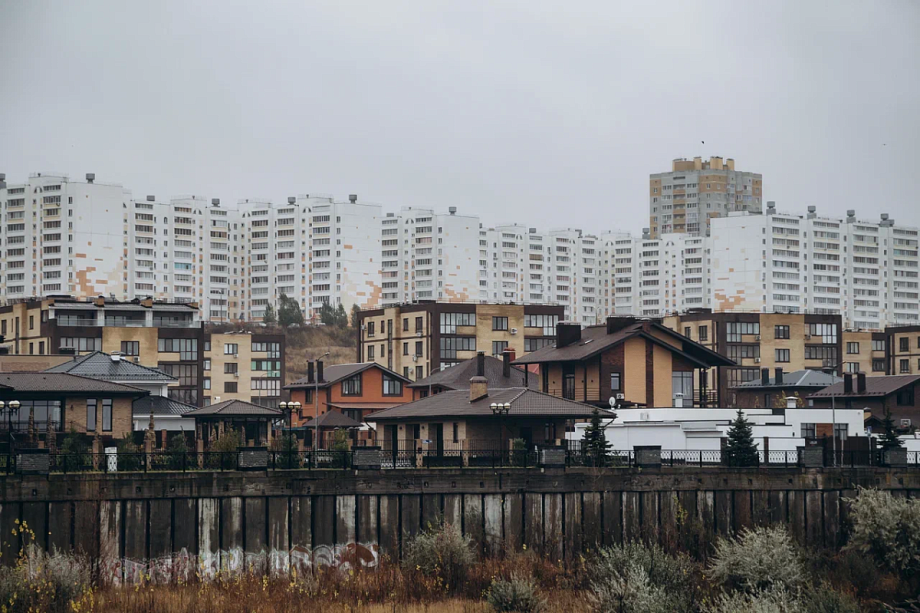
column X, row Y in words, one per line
column 183, row 566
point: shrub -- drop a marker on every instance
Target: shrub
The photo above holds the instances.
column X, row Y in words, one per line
column 129, row 454
column 229, row 443
column 887, row 529
column 824, row 599
column 287, row 452
column 41, row 581
column 515, row 594
column 635, row 577
column 771, row 601
column 758, row 559
column 442, row 552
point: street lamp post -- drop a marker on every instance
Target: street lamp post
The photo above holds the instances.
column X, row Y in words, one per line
column 500, row 409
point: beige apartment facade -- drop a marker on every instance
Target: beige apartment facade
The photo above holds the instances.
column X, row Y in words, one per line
column 416, row 340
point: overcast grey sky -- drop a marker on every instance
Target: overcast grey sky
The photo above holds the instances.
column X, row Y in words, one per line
column 548, row 113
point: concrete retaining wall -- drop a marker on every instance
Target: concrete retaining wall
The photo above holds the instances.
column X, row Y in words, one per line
column 174, row 525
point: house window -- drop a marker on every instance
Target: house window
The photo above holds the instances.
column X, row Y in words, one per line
column 419, row 372
column 740, row 352
column 736, row 329
column 682, row 383
column 450, row 321
column 106, row 414
column 416, row 430
column 852, row 367
column 406, row 372
column 840, row 431
column 405, row 348
column 391, row 386
column 370, row 328
column 704, row 334
column 418, row 348
column 904, row 367
column 809, row 430
column 206, row 364
column 383, row 350
column 615, row 382
column 231, row 368
column 687, row 331
column 41, row 347
column 206, row 383
column 853, row 348
column 230, row 387
column 568, row 386
column 499, row 323
column 231, row 349
column 878, row 365
column 90, row 414
column 418, row 324
column 878, row 345
column 370, row 352
column 131, row 347
column 31, row 322
column 498, row 347
column 782, row 355
column 456, row 437
column 780, row 331
column 904, row 344
column 405, row 324
column 352, row 385
column 906, row 397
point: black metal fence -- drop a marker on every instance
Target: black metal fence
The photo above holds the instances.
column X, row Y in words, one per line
column 421, row 457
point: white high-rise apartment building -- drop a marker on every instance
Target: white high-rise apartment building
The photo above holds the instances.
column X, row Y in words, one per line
column 865, row 271
column 428, row 256
column 62, row 237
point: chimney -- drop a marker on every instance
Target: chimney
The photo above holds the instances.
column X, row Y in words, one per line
column 319, row 371
column 452, row 210
column 861, row 382
column 506, row 364
column 779, row 376
column 479, row 388
column 99, row 301
column 771, row 207
column 567, row 333
column 851, row 215
column 792, row 402
column 353, row 198
column 309, row 372
column 615, row 324
column 812, row 212
column 480, row 364
column 2, row 180
column 848, row 383
column 215, row 201
column 291, row 199
column 90, row 177
column 765, row 376
column 151, row 198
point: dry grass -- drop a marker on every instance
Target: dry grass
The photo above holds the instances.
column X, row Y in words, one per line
column 309, row 343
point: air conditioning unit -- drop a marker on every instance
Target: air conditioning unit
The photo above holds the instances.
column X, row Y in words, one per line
column 757, row 360
column 808, row 337
column 236, row 375
column 418, row 334
column 363, row 327
column 513, row 330
column 415, row 358
column 757, row 338
column 621, row 396
column 905, row 423
column 643, row 416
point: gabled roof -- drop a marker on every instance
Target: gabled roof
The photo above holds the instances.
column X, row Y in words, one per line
column 798, row 378
column 234, row 407
column 332, row 419
column 63, row 383
column 99, row 365
column 875, row 386
column 595, row 340
column 160, row 405
column 337, row 372
column 456, row 403
column 458, row 377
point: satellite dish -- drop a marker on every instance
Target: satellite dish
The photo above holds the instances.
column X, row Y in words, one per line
column 612, row 402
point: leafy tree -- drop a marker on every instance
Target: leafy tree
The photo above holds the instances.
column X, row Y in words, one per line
column 355, row 311
column 740, row 448
column 269, row 318
column 327, row 315
column 289, row 312
column 224, row 450
column 129, row 457
column 595, row 442
column 889, row 438
column 341, row 317
column 75, row 451
column 177, row 451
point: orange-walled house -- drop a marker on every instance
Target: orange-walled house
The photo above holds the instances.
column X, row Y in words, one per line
column 355, row 390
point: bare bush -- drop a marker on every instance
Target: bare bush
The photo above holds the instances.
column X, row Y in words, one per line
column 517, row 594
column 758, row 559
column 443, row 552
column 887, row 529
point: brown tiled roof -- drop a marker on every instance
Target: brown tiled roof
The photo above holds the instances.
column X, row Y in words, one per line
column 337, row 372
column 595, row 340
column 456, row 403
column 45, row 382
column 875, row 386
column 235, row 407
column 458, row 377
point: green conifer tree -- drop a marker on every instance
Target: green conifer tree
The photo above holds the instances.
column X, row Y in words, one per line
column 740, row 449
column 889, row 438
column 595, row 442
